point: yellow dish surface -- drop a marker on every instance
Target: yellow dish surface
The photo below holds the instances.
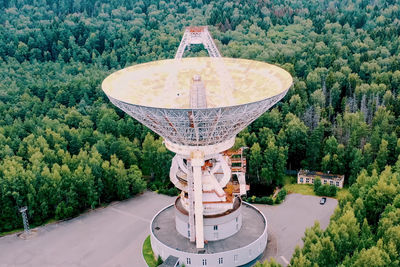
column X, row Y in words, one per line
column 166, row 83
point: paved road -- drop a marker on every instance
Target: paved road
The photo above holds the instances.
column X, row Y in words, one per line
column 113, row 236
column 288, row 221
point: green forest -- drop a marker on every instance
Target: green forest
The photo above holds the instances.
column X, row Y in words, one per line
column 64, row 148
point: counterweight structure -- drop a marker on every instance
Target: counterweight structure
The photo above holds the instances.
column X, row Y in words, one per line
column 199, row 105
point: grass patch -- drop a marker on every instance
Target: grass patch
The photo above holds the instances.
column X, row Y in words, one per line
column 303, row 189
column 288, row 179
column 49, row 221
column 308, row 189
column 11, row 232
column 32, row 226
column 148, row 253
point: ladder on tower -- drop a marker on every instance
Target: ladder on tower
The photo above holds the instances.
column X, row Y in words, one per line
column 191, row 202
column 198, row 93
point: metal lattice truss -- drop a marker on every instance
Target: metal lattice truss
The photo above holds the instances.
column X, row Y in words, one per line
column 25, row 220
column 197, row 35
column 198, row 127
column 200, row 35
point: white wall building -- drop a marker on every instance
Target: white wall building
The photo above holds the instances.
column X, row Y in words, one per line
column 308, row 177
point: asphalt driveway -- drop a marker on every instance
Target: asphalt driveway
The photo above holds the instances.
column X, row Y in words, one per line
column 113, row 236
column 288, row 221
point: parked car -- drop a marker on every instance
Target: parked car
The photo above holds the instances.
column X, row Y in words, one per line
column 322, row 201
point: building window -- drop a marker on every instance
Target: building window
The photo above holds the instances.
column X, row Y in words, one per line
column 337, row 184
column 324, row 181
column 235, row 258
column 312, row 180
column 331, row 182
column 188, row 233
column 215, row 227
column 188, row 226
column 236, row 219
column 204, row 262
column 307, row 180
column 301, row 180
column 220, row 260
column 188, row 261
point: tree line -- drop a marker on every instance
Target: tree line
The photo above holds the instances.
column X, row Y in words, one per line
column 64, row 148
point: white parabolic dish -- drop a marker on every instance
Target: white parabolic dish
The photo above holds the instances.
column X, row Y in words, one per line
column 145, row 92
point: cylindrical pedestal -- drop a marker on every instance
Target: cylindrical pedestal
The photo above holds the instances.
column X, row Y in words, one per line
column 239, row 249
column 216, row 227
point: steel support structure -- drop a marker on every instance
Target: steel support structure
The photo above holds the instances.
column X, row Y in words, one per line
column 25, row 220
column 215, row 125
column 199, row 133
column 201, row 35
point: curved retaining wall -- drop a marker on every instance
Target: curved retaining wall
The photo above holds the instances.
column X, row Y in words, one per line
column 235, row 257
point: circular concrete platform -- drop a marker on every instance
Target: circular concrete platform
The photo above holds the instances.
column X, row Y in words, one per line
column 240, row 249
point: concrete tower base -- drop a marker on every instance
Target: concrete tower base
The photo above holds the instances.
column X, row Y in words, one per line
column 241, row 248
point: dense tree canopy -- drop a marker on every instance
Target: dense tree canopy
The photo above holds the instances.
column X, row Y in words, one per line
column 364, row 230
column 64, row 148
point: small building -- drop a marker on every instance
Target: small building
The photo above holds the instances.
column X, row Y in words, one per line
column 308, row 177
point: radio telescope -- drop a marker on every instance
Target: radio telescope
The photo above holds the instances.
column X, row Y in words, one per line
column 199, row 105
